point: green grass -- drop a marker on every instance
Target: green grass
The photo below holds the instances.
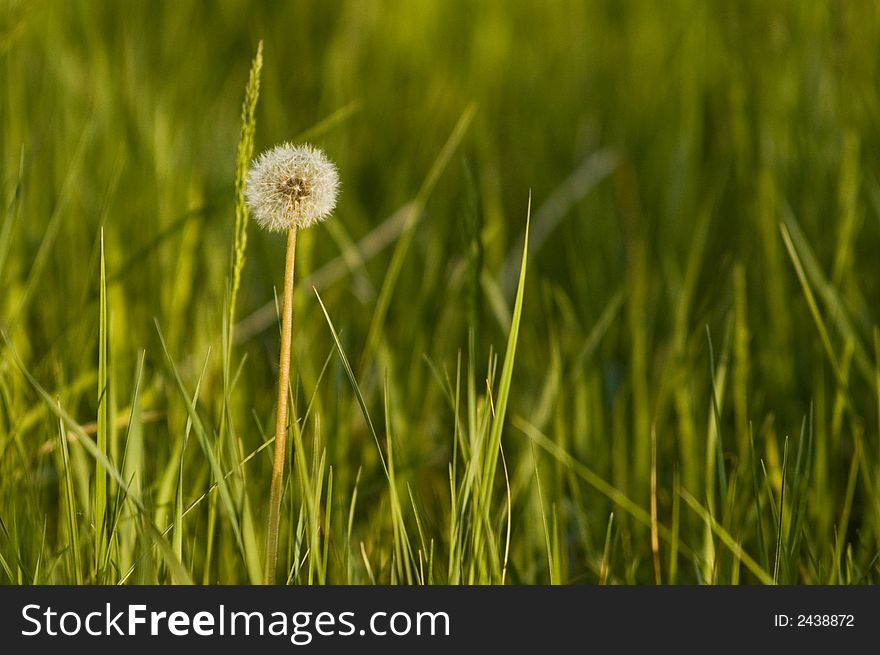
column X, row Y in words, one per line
column 598, row 303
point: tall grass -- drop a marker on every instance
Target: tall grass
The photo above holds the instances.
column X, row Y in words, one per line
column 598, row 304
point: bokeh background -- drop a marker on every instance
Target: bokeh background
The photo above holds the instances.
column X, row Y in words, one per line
column 703, row 267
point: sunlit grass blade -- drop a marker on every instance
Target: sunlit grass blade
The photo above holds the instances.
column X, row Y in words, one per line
column 759, row 519
column 177, row 539
column 72, row 523
column 549, row 554
column 779, row 536
column 104, row 420
column 132, row 466
column 605, row 564
column 811, row 303
column 354, row 384
column 845, row 514
column 493, row 445
column 725, row 537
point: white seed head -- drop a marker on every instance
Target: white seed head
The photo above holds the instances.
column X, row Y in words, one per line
column 291, row 186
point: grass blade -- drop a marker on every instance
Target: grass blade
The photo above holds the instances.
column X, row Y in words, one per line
column 104, row 422
column 492, row 451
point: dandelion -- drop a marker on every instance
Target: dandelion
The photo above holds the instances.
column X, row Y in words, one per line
column 288, row 187
column 291, row 187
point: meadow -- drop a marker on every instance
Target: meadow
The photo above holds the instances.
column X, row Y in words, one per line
column 598, row 303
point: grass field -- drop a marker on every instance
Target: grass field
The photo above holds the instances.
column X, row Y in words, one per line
column 674, row 379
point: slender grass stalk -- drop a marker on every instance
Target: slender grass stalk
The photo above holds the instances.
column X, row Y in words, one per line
column 101, row 489
column 70, row 498
column 242, row 158
column 277, row 489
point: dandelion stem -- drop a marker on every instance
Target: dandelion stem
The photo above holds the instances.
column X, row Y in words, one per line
column 277, row 488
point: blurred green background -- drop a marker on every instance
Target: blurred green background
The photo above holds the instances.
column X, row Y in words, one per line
column 684, row 161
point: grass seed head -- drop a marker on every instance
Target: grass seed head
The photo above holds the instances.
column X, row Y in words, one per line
column 291, row 186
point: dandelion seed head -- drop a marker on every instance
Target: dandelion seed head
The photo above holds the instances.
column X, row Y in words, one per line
column 291, row 186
